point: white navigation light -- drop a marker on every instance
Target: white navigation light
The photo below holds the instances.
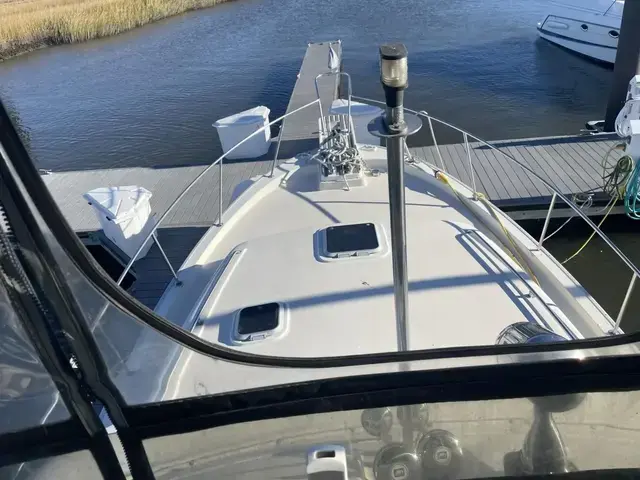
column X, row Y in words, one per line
column 394, row 70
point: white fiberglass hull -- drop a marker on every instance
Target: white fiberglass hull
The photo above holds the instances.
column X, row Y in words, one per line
column 597, row 52
column 586, row 31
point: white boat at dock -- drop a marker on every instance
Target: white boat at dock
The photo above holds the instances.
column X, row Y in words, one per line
column 590, row 28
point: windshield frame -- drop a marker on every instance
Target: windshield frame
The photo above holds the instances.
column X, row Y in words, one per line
column 475, row 383
column 82, row 430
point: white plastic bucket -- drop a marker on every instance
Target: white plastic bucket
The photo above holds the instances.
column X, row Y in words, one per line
column 235, row 128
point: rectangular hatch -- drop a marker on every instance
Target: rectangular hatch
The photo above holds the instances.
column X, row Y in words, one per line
column 351, row 240
column 361, row 237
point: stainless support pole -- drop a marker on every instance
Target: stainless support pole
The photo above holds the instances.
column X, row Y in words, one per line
column 397, row 213
column 166, row 259
column 627, row 61
column 398, row 218
column 473, row 176
column 435, row 144
column 548, row 219
column 220, row 193
column 275, row 158
column 407, row 426
column 395, row 129
column 625, row 303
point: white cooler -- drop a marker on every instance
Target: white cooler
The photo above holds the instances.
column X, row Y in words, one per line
column 362, row 114
column 235, row 128
column 125, row 216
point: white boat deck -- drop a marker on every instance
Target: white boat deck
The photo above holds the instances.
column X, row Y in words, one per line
column 446, row 264
column 464, row 288
column 572, row 164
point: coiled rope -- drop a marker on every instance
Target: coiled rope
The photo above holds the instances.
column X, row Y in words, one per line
column 616, row 179
column 632, row 194
column 616, row 175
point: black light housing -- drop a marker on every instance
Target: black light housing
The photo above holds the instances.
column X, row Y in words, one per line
column 394, row 72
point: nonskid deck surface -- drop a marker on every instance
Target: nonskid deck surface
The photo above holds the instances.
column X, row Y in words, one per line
column 450, row 270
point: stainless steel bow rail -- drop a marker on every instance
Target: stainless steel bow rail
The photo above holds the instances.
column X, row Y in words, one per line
column 219, row 162
column 556, row 194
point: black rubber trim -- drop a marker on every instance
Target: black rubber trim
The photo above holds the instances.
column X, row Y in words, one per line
column 378, row 390
column 42, row 442
column 94, row 274
column 34, row 317
column 46, row 274
column 614, row 474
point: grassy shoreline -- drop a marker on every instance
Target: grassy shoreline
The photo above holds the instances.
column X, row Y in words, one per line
column 27, row 25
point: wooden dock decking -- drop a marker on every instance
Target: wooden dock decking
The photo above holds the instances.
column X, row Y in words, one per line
column 300, row 132
column 571, row 164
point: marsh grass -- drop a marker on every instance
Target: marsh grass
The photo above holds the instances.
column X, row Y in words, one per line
column 29, row 24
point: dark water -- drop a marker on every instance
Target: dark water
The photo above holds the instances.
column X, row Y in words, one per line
column 597, row 267
column 149, row 97
column 602, row 273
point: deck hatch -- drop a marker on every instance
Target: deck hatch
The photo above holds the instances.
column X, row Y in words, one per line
column 258, row 322
column 351, row 239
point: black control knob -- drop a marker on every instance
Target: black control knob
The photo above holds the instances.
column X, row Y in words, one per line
column 419, row 416
column 396, row 462
column 440, row 454
column 544, row 452
column 377, row 421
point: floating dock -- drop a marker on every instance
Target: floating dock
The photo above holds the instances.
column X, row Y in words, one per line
column 572, row 164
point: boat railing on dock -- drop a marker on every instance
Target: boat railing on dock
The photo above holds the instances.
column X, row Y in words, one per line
column 556, row 193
